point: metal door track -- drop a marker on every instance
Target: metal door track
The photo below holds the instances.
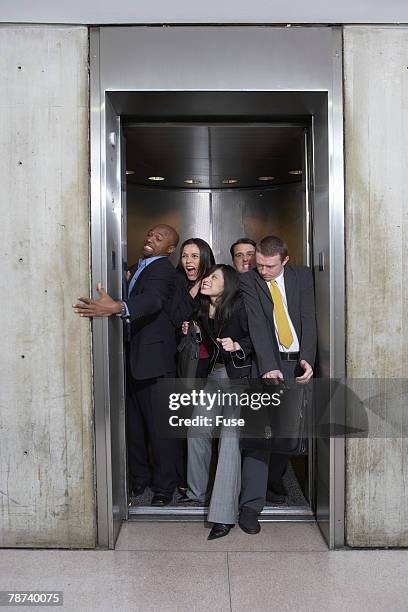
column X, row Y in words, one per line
column 198, row 513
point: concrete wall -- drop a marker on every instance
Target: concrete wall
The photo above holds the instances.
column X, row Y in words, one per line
column 46, row 448
column 376, row 136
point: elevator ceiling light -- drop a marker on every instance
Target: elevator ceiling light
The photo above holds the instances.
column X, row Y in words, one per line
column 156, row 178
column 192, row 182
column 265, row 178
column 130, row 172
column 230, row 181
column 295, row 172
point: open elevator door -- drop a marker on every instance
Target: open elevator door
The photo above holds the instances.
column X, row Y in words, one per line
column 108, row 258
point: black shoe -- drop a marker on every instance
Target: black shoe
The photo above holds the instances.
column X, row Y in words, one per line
column 248, row 520
column 135, row 491
column 219, row 530
column 160, row 499
column 184, row 499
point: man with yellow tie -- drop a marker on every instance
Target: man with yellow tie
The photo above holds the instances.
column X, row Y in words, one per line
column 279, row 300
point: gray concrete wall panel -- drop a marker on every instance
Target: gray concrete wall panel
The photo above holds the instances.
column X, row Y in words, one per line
column 376, row 136
column 46, row 417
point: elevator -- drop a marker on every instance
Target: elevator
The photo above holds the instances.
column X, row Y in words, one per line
column 260, row 135
column 211, row 181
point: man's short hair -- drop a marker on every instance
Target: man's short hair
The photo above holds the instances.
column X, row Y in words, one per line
column 272, row 245
column 173, row 235
column 242, row 241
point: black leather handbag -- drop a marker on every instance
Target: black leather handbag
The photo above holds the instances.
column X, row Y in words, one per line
column 283, row 428
column 188, row 354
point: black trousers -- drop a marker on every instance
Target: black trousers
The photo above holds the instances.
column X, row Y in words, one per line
column 157, row 469
column 261, row 468
column 278, row 462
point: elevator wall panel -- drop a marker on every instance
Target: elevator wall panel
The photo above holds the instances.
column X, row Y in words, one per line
column 187, row 211
column 255, row 214
column 219, row 217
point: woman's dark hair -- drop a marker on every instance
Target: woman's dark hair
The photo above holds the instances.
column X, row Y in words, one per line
column 206, row 258
column 225, row 306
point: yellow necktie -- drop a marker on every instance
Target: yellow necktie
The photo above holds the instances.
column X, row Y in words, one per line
column 282, row 322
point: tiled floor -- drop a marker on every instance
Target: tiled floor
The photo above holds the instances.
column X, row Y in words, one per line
column 172, row 567
column 192, row 537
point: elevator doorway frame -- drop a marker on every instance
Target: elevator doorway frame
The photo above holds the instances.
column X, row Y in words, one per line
column 312, row 65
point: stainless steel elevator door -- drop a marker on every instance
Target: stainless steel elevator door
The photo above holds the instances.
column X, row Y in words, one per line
column 115, row 418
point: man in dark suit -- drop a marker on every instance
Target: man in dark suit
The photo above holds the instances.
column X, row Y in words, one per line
column 152, row 355
column 279, row 299
column 243, row 260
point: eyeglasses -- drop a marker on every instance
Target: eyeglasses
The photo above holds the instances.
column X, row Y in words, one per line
column 247, row 254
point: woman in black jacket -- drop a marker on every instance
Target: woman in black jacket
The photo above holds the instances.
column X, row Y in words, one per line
column 196, row 258
column 221, row 323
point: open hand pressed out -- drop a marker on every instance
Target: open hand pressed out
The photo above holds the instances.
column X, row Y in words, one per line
column 104, row 306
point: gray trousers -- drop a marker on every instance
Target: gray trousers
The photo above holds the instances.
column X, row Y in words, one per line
column 223, row 506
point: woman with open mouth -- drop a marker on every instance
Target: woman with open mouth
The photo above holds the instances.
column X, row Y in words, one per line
column 196, row 258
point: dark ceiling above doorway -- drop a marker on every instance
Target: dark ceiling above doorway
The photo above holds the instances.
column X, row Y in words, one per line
column 211, row 154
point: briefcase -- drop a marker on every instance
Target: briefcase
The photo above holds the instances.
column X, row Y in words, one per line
column 283, row 428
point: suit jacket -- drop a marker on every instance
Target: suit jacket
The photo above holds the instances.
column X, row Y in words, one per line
column 237, row 364
column 183, row 304
column 301, row 307
column 152, row 338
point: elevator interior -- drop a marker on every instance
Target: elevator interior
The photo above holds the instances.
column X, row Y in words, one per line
column 221, row 181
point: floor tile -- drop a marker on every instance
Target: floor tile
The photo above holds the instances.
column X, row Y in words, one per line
column 111, row 580
column 193, row 537
column 335, row 581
